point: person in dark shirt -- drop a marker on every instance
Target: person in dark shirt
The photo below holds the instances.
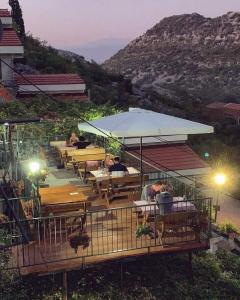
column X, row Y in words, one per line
column 81, row 143
column 150, row 191
column 117, row 166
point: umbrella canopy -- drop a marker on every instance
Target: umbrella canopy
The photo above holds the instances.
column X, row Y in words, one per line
column 142, row 123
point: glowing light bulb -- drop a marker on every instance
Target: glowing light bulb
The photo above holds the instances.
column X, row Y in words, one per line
column 34, row 166
column 220, row 179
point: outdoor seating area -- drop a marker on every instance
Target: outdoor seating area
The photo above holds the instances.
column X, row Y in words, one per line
column 79, row 203
column 96, row 216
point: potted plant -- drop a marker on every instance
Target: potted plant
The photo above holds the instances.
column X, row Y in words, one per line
column 143, row 229
column 77, row 239
column 229, row 230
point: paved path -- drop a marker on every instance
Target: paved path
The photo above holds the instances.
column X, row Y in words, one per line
column 229, row 211
column 229, row 208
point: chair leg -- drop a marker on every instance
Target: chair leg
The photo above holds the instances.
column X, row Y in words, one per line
column 107, row 199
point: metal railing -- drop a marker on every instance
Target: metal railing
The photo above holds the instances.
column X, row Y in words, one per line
column 108, row 232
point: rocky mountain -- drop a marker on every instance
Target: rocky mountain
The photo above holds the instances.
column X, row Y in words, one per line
column 185, row 56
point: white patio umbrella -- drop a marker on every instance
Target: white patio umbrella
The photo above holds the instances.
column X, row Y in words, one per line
column 143, row 123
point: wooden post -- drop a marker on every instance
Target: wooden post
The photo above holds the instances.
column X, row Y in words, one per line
column 141, row 163
column 121, row 275
column 65, row 287
column 190, row 266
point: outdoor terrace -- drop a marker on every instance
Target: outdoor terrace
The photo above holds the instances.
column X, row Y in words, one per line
column 71, row 222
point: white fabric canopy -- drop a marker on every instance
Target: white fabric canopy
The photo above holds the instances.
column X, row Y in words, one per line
column 142, row 123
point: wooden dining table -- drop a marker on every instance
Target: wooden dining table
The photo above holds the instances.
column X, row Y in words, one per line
column 64, row 195
column 102, row 175
column 148, row 209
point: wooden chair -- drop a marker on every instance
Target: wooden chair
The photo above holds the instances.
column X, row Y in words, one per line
column 178, row 227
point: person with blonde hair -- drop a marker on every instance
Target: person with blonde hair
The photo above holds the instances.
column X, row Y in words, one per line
column 108, row 162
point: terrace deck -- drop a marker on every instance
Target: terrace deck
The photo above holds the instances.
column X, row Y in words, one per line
column 112, row 236
column 111, row 233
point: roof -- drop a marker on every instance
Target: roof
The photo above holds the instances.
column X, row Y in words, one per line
column 216, row 105
column 143, row 123
column 233, row 106
column 167, row 158
column 5, row 96
column 5, row 13
column 10, row 38
column 49, row 79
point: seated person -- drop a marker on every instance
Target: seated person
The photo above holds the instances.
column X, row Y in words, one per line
column 108, row 162
column 165, row 200
column 72, row 139
column 117, row 166
column 150, row 191
column 81, row 143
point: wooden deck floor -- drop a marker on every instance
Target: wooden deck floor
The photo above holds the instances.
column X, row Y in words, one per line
column 112, row 235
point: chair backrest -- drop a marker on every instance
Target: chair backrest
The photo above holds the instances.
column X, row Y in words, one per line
column 88, row 157
column 86, row 151
column 126, row 180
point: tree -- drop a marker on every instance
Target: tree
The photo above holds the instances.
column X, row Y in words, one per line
column 17, row 18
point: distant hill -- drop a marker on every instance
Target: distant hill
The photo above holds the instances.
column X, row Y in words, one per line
column 100, row 50
column 185, row 57
column 105, row 87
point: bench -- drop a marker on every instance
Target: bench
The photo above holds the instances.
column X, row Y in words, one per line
column 79, row 159
column 180, row 226
column 126, row 186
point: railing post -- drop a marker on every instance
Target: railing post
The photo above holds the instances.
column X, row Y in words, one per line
column 141, row 163
column 65, row 286
column 210, row 219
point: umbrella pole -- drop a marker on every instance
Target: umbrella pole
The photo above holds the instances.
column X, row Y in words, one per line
column 141, row 163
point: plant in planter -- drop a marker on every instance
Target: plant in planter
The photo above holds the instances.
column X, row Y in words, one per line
column 78, row 239
column 229, row 229
column 143, row 229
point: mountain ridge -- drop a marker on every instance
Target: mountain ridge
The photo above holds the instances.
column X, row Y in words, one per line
column 197, row 55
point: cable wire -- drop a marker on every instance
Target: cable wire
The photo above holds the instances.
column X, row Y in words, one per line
column 98, row 129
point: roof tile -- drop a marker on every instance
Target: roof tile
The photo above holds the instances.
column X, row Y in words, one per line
column 9, row 38
column 167, row 158
column 5, row 13
column 49, row 79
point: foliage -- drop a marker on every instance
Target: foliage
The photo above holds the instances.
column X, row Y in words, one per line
column 228, row 227
column 68, row 115
column 17, row 18
column 11, row 286
column 79, row 239
column 40, row 176
column 143, row 229
column 159, row 277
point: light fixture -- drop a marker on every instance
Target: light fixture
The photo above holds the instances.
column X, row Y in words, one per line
column 34, row 166
column 220, row 179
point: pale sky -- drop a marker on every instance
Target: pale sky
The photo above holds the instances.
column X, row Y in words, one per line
column 73, row 23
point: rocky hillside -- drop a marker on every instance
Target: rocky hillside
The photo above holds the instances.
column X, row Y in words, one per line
column 185, row 56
